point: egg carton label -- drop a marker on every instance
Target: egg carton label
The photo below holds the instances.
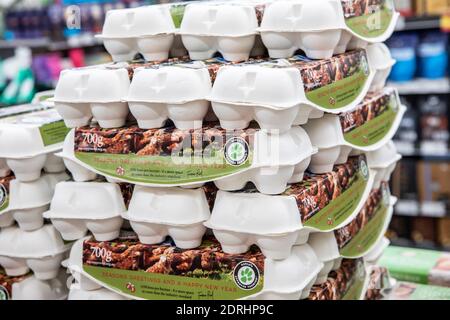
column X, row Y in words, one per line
column 346, row 283
column 368, row 18
column 4, row 191
column 372, row 120
column 360, row 235
column 6, row 283
column 325, row 201
column 165, row 156
column 336, row 82
column 163, row 272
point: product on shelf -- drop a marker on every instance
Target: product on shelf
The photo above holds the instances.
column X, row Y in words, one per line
column 149, row 30
column 403, row 50
column 280, row 93
column 155, row 213
column 358, row 237
column 380, row 283
column 324, row 28
column 276, row 223
column 25, row 202
column 28, row 287
column 434, row 127
column 171, row 157
column 206, row 29
column 28, row 140
column 41, row 250
column 407, row 136
column 434, row 200
column 371, row 125
column 383, row 162
column 347, row 282
column 202, row 273
column 418, row 265
column 432, row 56
column 81, row 206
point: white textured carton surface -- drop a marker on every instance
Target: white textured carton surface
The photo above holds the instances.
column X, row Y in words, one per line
column 173, row 92
column 226, row 28
column 155, row 213
column 76, row 293
column 148, row 30
column 34, row 289
column 40, row 250
column 381, row 62
column 367, row 128
column 28, row 200
column 383, row 161
column 84, row 93
column 323, row 28
column 75, row 209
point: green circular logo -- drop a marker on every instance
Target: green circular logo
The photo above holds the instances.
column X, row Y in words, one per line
column 364, row 169
column 236, row 151
column 246, row 275
column 4, row 295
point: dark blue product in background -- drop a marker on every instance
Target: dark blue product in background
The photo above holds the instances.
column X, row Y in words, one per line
column 403, row 49
column 432, row 56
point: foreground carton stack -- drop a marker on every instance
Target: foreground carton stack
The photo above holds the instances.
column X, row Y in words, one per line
column 260, row 175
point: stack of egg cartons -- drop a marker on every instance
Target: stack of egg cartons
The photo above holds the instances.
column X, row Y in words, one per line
column 298, row 147
column 30, row 250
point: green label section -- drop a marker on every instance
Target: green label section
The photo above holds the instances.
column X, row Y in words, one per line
column 159, row 169
column 414, row 291
column 339, row 94
column 372, row 131
column 355, row 291
column 4, row 204
column 144, row 285
column 177, row 12
column 412, row 265
column 53, row 133
column 337, row 211
column 371, row 25
column 363, row 241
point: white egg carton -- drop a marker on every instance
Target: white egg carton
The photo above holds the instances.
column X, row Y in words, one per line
column 276, row 159
column 149, row 30
column 280, row 93
column 155, row 213
column 373, row 256
column 172, row 91
column 367, row 128
column 74, row 264
column 323, row 28
column 276, row 223
column 76, row 293
column 383, row 162
column 41, row 250
column 78, row 207
column 28, row 287
column 27, row 201
column 27, row 142
column 84, row 93
column 326, row 245
column 381, row 62
column 288, row 279
column 225, row 27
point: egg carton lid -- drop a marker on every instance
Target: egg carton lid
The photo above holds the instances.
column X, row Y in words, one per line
column 86, row 200
column 31, row 134
column 384, row 156
column 170, row 206
column 40, row 243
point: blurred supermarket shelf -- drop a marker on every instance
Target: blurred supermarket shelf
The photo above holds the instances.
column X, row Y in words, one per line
column 87, row 40
column 422, row 86
column 418, row 23
column 432, row 209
